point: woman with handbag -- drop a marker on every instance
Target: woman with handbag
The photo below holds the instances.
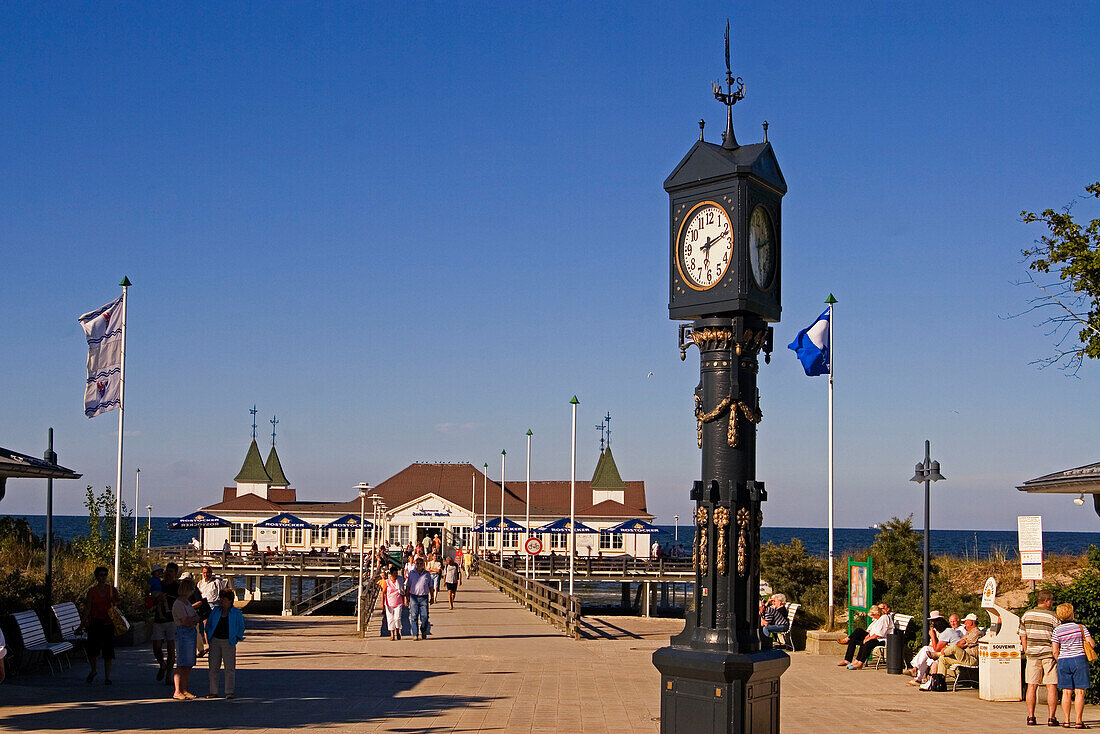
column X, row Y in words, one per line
column 1072, row 646
column 96, row 621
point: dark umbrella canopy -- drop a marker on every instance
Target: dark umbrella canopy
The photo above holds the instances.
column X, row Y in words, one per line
column 285, row 521
column 564, row 526
column 199, row 519
column 349, row 522
column 633, row 526
column 494, row 525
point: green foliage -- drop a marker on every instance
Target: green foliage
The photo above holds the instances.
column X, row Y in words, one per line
column 802, row 578
column 1071, row 251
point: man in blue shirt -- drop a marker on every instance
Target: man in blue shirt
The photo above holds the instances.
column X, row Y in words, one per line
column 418, row 589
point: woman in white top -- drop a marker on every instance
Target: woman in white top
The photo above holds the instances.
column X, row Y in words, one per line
column 866, row 640
column 186, row 619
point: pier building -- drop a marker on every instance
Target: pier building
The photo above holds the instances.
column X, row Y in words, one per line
column 446, row 499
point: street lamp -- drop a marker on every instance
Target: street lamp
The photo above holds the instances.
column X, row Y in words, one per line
column 375, row 498
column 527, row 504
column 137, row 486
column 927, row 471
column 364, row 489
column 149, row 528
column 482, row 536
column 503, row 461
column 573, row 495
column 676, row 528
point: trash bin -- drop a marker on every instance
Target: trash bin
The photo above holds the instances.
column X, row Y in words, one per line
column 999, row 652
column 895, row 652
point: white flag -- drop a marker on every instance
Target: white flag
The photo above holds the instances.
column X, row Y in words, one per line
column 103, row 328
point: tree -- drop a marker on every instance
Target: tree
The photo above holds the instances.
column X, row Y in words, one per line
column 1071, row 303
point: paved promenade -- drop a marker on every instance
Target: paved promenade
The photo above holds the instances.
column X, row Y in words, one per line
column 489, row 666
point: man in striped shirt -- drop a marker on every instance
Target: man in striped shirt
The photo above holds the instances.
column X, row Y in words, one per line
column 1036, row 627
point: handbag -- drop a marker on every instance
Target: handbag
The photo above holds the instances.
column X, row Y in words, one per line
column 1090, row 651
column 120, row 623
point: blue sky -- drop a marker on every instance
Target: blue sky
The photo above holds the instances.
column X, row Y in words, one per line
column 414, row 232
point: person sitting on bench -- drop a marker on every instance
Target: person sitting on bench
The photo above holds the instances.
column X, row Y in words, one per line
column 963, row 652
column 866, row 640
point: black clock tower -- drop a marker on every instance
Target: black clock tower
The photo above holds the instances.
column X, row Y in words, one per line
column 720, row 674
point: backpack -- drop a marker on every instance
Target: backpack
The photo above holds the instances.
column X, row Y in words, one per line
column 938, row 683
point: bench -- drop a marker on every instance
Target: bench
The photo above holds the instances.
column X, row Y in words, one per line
column 68, row 620
column 34, row 638
column 901, row 624
column 965, row 675
column 786, row 639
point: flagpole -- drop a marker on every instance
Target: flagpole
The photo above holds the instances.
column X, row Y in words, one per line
column 503, row 456
column 573, row 496
column 121, row 412
column 832, row 302
column 527, row 504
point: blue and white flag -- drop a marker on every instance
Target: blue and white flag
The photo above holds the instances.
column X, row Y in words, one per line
column 812, row 346
column 103, row 329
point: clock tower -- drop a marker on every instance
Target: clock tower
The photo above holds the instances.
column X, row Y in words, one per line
column 721, row 673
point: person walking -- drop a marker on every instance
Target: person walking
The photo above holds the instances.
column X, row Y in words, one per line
column 164, row 591
column 186, row 619
column 393, row 600
column 210, row 588
column 1036, row 627
column 435, row 568
column 418, row 590
column 451, row 579
column 1068, row 647
column 224, row 629
column 96, row 621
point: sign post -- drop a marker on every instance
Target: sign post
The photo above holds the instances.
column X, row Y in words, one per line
column 533, row 546
column 1029, row 529
column 859, row 588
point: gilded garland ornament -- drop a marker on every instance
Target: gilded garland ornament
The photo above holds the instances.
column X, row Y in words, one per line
column 742, row 541
column 735, row 409
column 721, row 519
column 701, row 516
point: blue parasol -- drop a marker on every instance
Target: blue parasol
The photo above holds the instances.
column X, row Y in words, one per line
column 633, row 526
column 494, row 525
column 285, row 521
column 564, row 527
column 199, row 519
column 348, row 522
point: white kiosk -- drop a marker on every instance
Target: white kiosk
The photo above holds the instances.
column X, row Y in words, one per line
column 999, row 652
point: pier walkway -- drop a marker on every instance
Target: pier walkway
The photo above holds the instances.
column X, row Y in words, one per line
column 490, row 666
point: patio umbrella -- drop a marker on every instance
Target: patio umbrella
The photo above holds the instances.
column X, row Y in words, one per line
column 200, row 520
column 348, row 521
column 510, row 526
column 564, row 527
column 633, row 526
column 285, row 521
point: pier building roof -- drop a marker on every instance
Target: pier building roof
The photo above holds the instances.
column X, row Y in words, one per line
column 252, row 470
column 274, row 469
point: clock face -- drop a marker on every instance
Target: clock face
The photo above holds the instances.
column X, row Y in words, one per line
column 705, row 246
column 761, row 247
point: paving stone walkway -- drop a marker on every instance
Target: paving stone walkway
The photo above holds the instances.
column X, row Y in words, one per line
column 489, row 666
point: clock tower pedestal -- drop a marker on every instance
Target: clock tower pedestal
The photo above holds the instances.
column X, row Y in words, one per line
column 719, row 674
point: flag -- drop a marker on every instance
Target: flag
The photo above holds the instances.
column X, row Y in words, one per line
column 812, row 346
column 103, row 329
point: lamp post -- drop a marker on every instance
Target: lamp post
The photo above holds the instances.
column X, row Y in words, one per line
column 503, row 459
column 573, row 495
column 676, row 528
column 364, row 489
column 149, row 528
column 484, row 507
column 527, row 504
column 375, row 498
column 137, row 488
column 473, row 509
column 927, row 471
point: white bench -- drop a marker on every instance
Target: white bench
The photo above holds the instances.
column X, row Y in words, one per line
column 34, row 638
column 786, row 639
column 901, row 624
column 68, row 620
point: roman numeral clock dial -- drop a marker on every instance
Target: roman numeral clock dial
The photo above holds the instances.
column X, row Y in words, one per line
column 705, row 246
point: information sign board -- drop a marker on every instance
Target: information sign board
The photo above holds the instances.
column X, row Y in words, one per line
column 1029, row 529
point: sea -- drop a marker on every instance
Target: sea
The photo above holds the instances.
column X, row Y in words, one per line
column 961, row 543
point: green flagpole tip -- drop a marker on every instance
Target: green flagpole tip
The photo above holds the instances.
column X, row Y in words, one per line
column 574, row 401
column 503, row 452
column 830, row 300
column 529, row 432
column 125, row 281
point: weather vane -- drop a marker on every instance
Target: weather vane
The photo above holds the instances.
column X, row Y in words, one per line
column 274, row 422
column 602, row 428
column 734, row 93
column 607, row 420
column 253, row 412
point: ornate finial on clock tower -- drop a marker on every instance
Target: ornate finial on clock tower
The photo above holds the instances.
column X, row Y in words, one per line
column 735, row 92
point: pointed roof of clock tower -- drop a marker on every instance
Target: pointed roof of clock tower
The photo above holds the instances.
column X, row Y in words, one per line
column 708, row 161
